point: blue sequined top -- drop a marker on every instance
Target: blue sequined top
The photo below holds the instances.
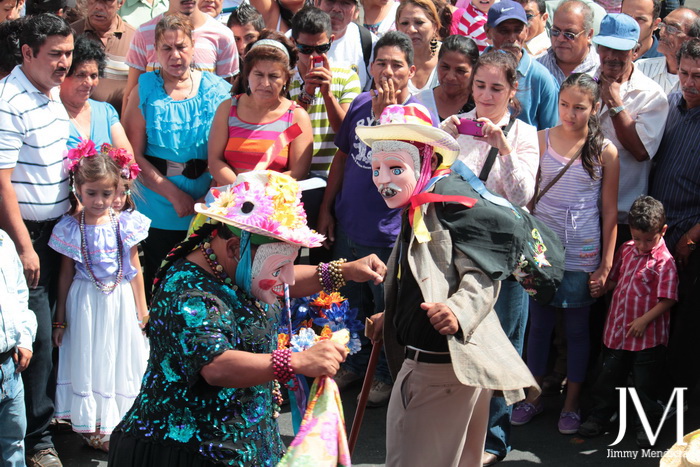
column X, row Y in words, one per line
column 193, row 319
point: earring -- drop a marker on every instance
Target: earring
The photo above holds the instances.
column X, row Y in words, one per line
column 433, row 46
column 247, row 90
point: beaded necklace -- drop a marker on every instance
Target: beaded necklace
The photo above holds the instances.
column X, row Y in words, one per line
column 216, row 268
column 85, row 253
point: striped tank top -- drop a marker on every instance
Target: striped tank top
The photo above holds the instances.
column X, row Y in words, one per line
column 258, row 146
column 570, row 209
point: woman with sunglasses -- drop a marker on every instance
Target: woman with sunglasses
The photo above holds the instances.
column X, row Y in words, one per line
column 261, row 128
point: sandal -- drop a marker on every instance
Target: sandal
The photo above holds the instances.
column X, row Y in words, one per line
column 99, row 442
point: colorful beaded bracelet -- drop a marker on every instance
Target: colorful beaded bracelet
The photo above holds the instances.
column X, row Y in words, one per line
column 282, row 366
column 330, row 275
column 59, row 325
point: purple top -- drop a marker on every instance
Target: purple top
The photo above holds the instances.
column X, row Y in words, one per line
column 361, row 211
column 102, row 244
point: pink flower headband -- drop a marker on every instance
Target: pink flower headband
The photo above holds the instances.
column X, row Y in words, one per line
column 128, row 168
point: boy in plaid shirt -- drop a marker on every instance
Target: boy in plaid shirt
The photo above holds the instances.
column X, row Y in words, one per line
column 645, row 284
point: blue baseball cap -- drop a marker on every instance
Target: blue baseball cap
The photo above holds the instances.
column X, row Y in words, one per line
column 618, row 31
column 505, row 10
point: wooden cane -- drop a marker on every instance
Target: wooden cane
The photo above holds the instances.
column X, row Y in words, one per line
column 366, row 386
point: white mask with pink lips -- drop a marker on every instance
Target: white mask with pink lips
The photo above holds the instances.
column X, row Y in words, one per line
column 272, row 268
column 406, row 151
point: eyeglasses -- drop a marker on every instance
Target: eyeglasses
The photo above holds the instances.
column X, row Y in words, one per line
column 672, row 30
column 309, row 49
column 530, row 16
column 568, row 35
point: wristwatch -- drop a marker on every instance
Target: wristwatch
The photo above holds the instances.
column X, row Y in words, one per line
column 616, row 110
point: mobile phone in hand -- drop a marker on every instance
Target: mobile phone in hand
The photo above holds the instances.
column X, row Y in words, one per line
column 317, row 62
column 467, row 126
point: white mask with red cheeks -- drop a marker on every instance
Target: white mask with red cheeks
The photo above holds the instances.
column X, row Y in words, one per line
column 273, row 266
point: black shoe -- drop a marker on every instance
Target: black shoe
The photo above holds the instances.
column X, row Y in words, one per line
column 44, row 458
column 591, row 428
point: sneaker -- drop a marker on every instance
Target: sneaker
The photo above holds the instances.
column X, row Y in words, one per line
column 379, row 394
column 569, row 423
column 524, row 412
column 345, row 378
column 591, row 428
column 44, row 458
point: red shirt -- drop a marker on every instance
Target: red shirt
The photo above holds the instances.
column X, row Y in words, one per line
column 642, row 280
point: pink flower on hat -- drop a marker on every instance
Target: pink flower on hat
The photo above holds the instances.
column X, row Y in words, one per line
column 393, row 114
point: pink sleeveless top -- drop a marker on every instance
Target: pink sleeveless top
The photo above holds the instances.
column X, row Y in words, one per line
column 259, row 146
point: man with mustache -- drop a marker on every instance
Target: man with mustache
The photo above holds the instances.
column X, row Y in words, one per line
column 364, row 222
column 443, row 339
column 678, row 26
column 537, row 90
column 33, row 195
column 633, row 112
column 675, row 182
column 215, row 49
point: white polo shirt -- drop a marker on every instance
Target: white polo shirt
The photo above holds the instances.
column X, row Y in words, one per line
column 646, row 103
column 33, row 134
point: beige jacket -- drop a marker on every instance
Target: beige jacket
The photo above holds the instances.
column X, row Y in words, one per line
column 482, row 356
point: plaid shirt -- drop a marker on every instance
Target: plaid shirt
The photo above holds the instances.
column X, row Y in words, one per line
column 642, row 280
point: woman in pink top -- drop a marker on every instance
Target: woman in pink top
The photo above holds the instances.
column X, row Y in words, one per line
column 262, row 129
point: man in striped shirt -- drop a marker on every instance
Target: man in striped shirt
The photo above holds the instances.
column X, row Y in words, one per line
column 214, row 46
column 325, row 91
column 675, row 182
column 34, row 194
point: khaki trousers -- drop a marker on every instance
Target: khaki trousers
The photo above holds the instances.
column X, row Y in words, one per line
column 434, row 420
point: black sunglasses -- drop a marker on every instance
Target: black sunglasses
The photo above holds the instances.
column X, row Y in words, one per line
column 309, row 49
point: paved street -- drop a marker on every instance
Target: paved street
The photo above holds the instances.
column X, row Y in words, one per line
column 535, row 444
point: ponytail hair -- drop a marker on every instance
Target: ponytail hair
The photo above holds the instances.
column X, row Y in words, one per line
column 592, row 150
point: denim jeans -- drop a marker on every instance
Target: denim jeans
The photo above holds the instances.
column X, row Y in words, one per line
column 13, row 420
column 367, row 297
column 647, row 370
column 39, row 378
column 511, row 308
